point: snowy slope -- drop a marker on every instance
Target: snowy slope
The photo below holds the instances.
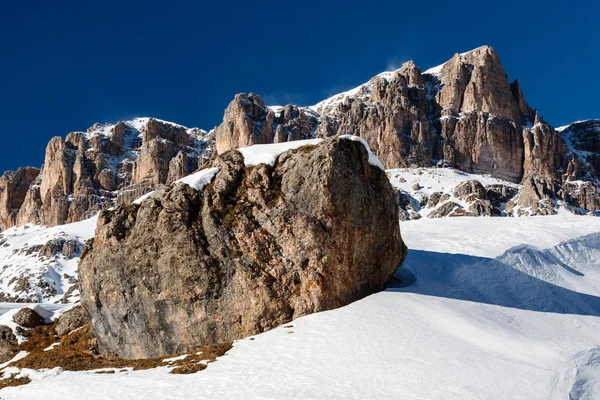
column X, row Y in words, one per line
column 26, row 274
column 436, row 180
column 485, row 308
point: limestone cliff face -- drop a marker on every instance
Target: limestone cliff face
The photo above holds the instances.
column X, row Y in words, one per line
column 247, row 121
column 258, row 247
column 13, row 190
column 88, row 171
column 464, row 113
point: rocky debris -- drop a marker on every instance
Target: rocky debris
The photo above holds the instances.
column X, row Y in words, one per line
column 470, row 189
column 498, row 194
column 28, row 318
column 534, row 198
column 68, row 247
column 444, row 210
column 481, row 208
column 435, row 198
column 258, row 247
column 8, row 343
column 69, row 321
column 40, row 264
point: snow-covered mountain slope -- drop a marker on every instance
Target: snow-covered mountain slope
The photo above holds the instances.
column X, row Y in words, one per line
column 473, row 315
column 39, row 264
column 435, row 193
column 34, row 267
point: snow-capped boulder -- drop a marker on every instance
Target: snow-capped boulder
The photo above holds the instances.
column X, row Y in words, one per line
column 257, row 247
column 28, row 318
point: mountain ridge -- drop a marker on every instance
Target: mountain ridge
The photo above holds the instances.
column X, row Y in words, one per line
column 464, row 113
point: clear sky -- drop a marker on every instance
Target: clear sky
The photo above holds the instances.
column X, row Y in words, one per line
column 68, row 64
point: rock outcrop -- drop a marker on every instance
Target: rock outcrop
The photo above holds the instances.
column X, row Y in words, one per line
column 247, row 121
column 86, row 172
column 258, row 247
column 8, row 343
column 69, row 321
column 13, row 189
column 464, row 114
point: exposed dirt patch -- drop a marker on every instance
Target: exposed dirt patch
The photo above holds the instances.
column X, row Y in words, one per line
column 77, row 351
column 10, row 381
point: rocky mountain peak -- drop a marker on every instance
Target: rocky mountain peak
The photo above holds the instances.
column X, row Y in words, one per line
column 88, row 171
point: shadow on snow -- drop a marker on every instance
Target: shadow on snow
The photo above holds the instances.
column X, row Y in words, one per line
column 520, row 278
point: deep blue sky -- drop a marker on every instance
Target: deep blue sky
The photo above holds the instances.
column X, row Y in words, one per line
column 66, row 65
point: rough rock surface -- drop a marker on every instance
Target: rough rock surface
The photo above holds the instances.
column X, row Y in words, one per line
column 70, row 320
column 258, row 247
column 86, row 171
column 8, row 343
column 444, row 210
column 28, row 318
column 247, row 121
column 13, row 189
column 464, row 113
column 470, row 188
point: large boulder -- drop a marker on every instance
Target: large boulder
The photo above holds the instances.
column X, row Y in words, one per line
column 258, row 247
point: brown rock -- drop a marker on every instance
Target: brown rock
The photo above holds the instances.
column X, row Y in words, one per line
column 247, row 121
column 443, row 210
column 470, row 188
column 69, row 321
column 434, row 199
column 488, row 89
column 258, row 247
column 178, row 167
column 13, row 189
column 480, row 208
column 28, row 318
column 545, row 151
column 8, row 343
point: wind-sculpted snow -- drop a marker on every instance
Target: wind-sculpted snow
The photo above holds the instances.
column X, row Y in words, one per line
column 524, row 277
column 496, row 308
